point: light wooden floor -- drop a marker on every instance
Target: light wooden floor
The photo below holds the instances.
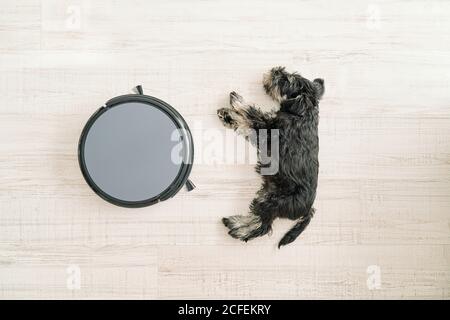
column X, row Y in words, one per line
column 382, row 228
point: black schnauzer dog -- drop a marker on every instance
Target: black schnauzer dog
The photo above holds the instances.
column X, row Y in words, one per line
column 290, row 192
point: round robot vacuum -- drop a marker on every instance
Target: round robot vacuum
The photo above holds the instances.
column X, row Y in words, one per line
column 136, row 150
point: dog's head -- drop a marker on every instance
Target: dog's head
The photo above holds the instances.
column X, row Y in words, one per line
column 282, row 85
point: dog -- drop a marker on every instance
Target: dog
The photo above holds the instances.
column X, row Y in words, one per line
column 291, row 191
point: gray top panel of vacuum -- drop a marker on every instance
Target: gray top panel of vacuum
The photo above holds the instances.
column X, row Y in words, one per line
column 132, row 151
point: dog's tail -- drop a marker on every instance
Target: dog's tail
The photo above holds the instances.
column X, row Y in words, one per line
column 298, row 228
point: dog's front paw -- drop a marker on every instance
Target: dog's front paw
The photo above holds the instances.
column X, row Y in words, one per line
column 226, row 117
column 236, row 100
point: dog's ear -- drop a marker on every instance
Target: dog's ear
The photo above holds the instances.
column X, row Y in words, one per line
column 319, row 84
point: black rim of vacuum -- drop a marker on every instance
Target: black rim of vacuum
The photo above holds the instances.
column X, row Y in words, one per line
column 186, row 166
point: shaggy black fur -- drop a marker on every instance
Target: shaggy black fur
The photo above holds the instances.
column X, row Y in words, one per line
column 290, row 192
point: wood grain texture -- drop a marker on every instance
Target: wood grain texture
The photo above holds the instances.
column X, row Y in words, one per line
column 384, row 186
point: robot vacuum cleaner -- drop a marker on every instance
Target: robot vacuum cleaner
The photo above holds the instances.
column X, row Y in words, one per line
column 136, row 151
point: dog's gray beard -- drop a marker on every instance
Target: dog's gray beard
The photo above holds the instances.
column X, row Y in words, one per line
column 243, row 226
column 273, row 89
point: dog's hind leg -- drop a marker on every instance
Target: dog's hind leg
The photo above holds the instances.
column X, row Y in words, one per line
column 256, row 224
column 264, row 209
column 243, row 227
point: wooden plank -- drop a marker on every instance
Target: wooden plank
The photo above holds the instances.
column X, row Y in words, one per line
column 77, row 272
column 304, row 272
